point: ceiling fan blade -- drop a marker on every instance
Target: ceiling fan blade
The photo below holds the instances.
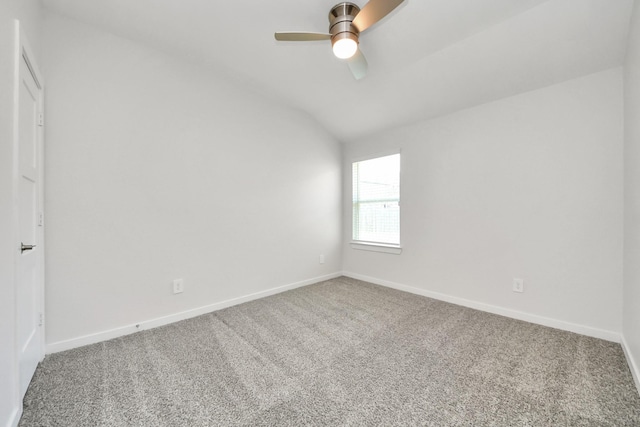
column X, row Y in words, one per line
column 358, row 65
column 374, row 11
column 301, row 37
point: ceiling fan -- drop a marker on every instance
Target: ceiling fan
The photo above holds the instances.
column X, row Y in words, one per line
column 346, row 22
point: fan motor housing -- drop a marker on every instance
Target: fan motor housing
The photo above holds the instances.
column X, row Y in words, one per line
column 340, row 19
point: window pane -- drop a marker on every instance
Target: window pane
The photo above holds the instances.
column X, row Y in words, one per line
column 376, row 200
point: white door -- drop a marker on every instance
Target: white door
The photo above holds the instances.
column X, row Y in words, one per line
column 29, row 292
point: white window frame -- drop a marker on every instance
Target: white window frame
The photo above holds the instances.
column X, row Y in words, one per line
column 388, row 248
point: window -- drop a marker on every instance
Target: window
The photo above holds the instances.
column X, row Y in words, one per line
column 376, row 201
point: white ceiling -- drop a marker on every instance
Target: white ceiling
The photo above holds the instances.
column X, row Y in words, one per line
column 428, row 58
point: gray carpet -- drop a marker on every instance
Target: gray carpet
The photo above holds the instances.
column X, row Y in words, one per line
column 340, row 352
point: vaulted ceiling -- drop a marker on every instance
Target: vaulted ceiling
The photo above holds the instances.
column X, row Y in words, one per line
column 427, row 58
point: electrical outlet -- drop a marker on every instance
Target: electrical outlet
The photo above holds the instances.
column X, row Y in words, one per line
column 518, row 285
column 178, row 286
column 321, row 258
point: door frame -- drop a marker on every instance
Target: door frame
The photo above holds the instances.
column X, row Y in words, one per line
column 23, row 50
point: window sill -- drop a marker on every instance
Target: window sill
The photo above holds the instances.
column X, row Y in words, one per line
column 377, row 247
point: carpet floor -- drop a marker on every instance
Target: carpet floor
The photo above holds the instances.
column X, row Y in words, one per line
column 341, row 352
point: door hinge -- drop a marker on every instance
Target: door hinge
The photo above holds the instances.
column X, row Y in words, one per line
column 40, row 119
column 40, row 319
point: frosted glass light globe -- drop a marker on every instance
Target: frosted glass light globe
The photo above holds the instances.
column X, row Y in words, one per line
column 345, row 48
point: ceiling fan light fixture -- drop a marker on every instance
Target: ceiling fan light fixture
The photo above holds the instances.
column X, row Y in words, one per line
column 345, row 45
column 346, row 22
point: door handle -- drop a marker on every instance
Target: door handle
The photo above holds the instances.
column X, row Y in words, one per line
column 24, row 247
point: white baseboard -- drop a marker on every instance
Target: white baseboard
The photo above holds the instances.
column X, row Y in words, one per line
column 14, row 419
column 161, row 321
column 165, row 320
column 527, row 317
column 633, row 366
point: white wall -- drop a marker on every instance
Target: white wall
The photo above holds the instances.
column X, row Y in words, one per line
column 156, row 170
column 631, row 329
column 28, row 12
column 528, row 187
